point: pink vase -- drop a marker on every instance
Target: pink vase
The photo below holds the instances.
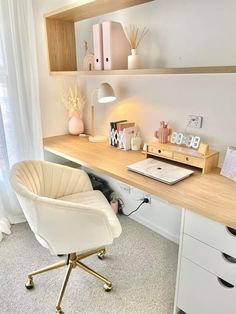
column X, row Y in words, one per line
column 75, row 125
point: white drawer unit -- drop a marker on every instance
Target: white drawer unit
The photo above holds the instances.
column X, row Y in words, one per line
column 201, row 292
column 206, row 278
column 211, row 232
column 214, row 261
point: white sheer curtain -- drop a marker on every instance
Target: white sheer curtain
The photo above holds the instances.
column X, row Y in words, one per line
column 20, row 121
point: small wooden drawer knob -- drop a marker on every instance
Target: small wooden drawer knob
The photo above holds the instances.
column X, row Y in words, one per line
column 187, row 158
column 159, row 151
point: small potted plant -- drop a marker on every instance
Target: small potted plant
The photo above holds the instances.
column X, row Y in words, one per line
column 74, row 102
column 134, row 35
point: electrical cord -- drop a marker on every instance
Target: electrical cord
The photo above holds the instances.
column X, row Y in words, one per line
column 145, row 200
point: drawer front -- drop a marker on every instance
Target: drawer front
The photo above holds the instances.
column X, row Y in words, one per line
column 189, row 160
column 160, row 151
column 216, row 262
column 210, row 232
column 201, row 292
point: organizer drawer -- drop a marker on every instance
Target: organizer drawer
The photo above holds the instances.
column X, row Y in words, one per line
column 201, row 292
column 160, row 151
column 189, row 160
column 216, row 262
column 210, row 232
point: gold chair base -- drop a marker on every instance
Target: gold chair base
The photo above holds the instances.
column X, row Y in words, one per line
column 73, row 261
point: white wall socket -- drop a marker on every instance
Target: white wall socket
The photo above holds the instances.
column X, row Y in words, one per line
column 149, row 197
column 125, row 188
column 194, row 121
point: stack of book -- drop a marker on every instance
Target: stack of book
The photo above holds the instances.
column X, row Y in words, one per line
column 121, row 133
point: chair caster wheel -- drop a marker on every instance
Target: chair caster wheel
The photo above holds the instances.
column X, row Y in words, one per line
column 101, row 254
column 107, row 287
column 59, row 311
column 29, row 284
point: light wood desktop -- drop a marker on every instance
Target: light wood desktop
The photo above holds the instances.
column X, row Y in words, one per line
column 210, row 195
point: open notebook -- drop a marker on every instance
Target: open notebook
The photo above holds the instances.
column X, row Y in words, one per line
column 161, row 171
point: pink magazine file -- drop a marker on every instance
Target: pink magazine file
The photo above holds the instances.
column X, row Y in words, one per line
column 116, row 47
column 98, row 46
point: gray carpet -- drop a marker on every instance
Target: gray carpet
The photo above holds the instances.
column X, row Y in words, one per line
column 141, row 264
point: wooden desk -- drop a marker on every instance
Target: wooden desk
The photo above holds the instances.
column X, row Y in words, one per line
column 210, row 195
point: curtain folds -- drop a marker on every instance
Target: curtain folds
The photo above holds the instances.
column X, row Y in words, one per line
column 20, row 121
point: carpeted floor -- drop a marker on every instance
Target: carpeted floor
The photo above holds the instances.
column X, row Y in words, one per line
column 141, row 264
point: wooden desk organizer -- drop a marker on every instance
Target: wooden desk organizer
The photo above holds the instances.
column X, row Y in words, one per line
column 184, row 155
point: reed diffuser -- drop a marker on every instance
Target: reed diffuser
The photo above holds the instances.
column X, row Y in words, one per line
column 134, row 35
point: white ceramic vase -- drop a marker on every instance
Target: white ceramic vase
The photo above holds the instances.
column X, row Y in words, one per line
column 75, row 125
column 133, row 60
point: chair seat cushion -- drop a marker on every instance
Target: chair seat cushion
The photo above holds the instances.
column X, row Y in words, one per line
column 96, row 200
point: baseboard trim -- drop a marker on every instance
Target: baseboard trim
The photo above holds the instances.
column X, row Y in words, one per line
column 17, row 219
column 170, row 236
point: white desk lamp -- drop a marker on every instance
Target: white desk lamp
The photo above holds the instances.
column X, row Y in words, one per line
column 105, row 94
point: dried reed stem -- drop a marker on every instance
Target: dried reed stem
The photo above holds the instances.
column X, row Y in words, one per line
column 135, row 35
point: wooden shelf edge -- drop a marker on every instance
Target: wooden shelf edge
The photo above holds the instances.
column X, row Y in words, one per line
column 85, row 9
column 186, row 70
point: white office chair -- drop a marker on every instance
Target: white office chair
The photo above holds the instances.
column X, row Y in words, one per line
column 66, row 215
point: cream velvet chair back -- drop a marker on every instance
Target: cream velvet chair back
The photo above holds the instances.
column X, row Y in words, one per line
column 61, row 225
column 66, row 215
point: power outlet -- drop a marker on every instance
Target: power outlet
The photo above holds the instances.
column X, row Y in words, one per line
column 125, row 188
column 148, row 196
column 194, row 122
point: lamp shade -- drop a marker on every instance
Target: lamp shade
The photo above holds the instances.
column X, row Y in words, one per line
column 106, row 93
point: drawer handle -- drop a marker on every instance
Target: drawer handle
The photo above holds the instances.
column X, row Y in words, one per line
column 225, row 283
column 187, row 158
column 231, row 231
column 229, row 258
column 159, row 151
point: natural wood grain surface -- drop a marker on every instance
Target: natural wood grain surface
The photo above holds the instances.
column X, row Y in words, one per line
column 61, row 45
column 85, row 9
column 157, row 71
column 211, row 195
column 185, row 155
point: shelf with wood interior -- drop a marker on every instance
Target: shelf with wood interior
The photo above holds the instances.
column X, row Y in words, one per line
column 62, row 47
column 185, row 70
column 60, row 27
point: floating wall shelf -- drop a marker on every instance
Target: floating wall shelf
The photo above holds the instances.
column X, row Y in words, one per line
column 189, row 70
column 62, row 48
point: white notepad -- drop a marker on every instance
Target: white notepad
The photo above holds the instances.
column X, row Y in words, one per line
column 161, row 171
column 229, row 166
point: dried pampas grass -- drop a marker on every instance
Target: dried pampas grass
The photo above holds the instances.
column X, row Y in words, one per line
column 73, row 100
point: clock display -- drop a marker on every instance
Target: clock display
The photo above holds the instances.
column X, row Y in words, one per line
column 190, row 141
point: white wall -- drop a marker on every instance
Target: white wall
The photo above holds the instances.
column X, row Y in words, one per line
column 182, row 33
column 149, row 99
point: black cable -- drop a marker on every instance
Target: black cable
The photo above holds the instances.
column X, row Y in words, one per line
column 145, row 200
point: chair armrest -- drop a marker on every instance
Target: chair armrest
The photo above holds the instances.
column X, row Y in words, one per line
column 70, row 227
